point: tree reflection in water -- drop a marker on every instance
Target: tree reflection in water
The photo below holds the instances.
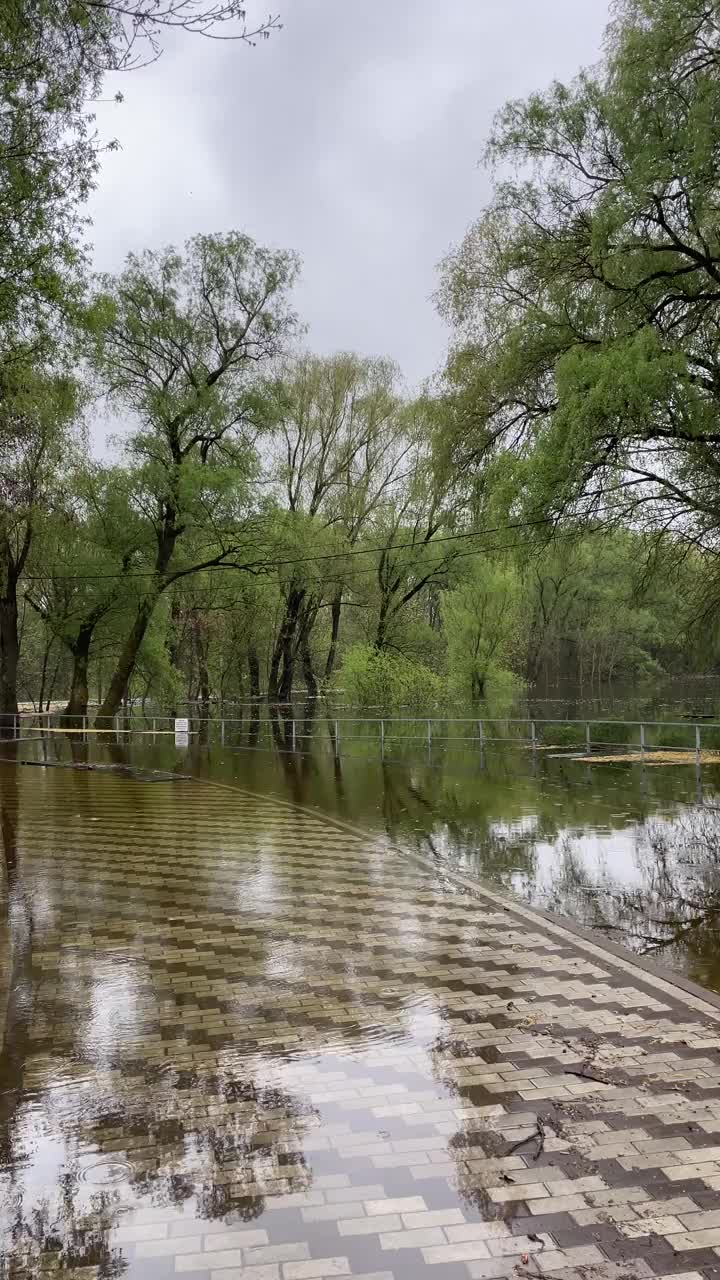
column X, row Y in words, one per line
column 217, row 1166
column 89, row 1134
column 673, row 911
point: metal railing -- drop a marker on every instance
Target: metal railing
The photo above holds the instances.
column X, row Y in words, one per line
column 289, row 731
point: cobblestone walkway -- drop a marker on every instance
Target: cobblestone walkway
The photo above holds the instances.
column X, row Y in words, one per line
column 241, row 1041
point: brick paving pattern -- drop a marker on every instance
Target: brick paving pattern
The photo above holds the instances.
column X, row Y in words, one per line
column 242, row 1041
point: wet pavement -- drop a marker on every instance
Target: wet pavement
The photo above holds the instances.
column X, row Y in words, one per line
column 241, row 1039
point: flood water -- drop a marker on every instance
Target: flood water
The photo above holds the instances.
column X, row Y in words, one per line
column 629, row 847
column 226, row 1022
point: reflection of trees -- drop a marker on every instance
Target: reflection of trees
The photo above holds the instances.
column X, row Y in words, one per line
column 675, row 909
column 293, row 739
column 248, row 1146
column 16, row 938
column 216, row 1127
column 60, row 1230
column 217, row 1140
column 476, row 1138
column 454, row 819
column 220, row 1141
column 63, row 1236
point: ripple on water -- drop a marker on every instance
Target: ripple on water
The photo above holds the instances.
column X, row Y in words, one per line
column 106, row 1172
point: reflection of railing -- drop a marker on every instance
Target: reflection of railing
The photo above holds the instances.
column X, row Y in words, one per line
column 289, row 731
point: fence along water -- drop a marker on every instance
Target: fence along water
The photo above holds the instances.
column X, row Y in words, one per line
column 681, row 740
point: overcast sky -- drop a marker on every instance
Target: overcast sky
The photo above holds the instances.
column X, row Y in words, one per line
column 352, row 136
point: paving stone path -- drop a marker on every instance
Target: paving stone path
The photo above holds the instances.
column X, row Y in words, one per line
column 241, row 1041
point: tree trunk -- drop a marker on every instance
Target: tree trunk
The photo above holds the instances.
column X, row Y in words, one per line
column 53, row 682
column 203, row 672
column 43, row 674
column 79, row 692
column 288, row 673
column 253, row 662
column 118, row 687
column 335, row 610
column 254, row 725
column 307, row 665
column 9, row 655
column 381, row 635
column 173, row 641
column 274, row 672
column 280, row 685
column 477, row 686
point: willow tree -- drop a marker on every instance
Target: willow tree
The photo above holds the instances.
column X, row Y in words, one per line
column 54, row 56
column 121, row 35
column 183, row 339
column 337, row 449
column 36, row 413
column 409, row 555
column 586, row 297
column 80, row 570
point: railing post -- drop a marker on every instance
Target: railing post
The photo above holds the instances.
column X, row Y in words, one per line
column 382, row 739
column 222, row 732
column 293, row 733
column 697, row 743
column 480, row 732
column 337, row 739
column 429, row 736
column 587, row 736
column 532, row 735
column 642, row 739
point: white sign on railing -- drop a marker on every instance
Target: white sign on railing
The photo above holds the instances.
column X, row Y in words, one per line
column 182, row 736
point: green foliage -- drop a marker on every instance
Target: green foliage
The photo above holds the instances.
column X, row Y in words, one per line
column 48, row 159
column 561, row 735
column 585, row 297
column 184, row 338
column 373, row 678
column 155, row 670
column 671, row 736
column 415, row 541
column 613, row 733
column 483, row 622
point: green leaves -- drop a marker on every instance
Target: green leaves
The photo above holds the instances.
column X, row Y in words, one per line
column 184, row 333
column 585, row 299
column 482, row 619
column 48, row 159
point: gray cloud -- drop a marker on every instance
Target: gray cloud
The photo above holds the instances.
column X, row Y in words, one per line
column 352, row 136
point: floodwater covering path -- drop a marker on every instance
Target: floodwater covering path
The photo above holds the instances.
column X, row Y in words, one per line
column 240, row 1040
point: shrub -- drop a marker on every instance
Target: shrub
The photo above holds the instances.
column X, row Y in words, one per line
column 607, row 732
column 671, row 736
column 561, row 735
column 375, row 678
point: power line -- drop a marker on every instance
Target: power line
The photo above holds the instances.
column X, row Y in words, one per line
column 275, row 563
column 269, row 563
column 461, row 555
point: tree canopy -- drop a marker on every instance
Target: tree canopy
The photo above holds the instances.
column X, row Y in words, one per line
column 275, row 518
column 585, row 297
